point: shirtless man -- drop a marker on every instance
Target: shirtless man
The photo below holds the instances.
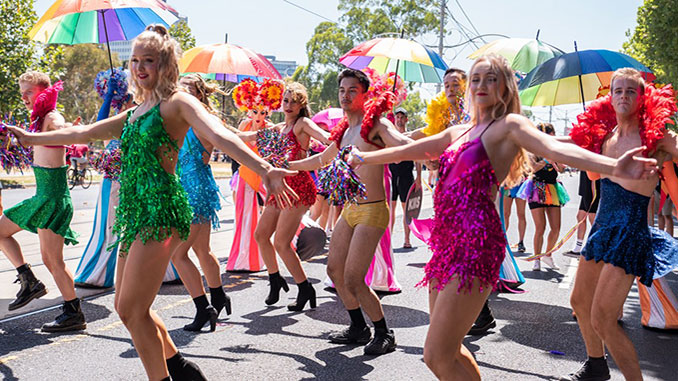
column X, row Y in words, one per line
column 608, row 266
column 48, row 213
column 361, row 225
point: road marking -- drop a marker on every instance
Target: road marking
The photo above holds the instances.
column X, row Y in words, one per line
column 6, row 359
column 569, row 276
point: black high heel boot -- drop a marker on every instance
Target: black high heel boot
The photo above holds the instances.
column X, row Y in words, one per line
column 204, row 313
column 220, row 300
column 276, row 282
column 306, row 294
column 181, row 369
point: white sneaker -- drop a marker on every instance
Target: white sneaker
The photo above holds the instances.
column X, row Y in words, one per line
column 548, row 261
column 537, row 265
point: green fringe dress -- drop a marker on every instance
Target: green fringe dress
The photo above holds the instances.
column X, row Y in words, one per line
column 152, row 201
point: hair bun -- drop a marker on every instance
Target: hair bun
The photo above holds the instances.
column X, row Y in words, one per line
column 159, row 29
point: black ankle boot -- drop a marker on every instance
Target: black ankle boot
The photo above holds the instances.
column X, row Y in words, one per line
column 181, row 369
column 483, row 322
column 220, row 300
column 306, row 294
column 276, row 282
column 71, row 319
column 31, row 288
column 204, row 313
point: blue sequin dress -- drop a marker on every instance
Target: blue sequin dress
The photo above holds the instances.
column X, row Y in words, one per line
column 197, row 179
column 621, row 236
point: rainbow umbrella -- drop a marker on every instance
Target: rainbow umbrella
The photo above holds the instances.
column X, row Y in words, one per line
column 97, row 21
column 524, row 54
column 411, row 60
column 227, row 62
column 575, row 77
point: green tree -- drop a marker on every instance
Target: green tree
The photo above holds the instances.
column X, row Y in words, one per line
column 654, row 42
column 361, row 20
column 415, row 108
column 183, row 34
column 80, row 64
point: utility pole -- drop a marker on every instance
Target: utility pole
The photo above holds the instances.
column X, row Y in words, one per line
column 550, row 114
column 441, row 35
column 567, row 122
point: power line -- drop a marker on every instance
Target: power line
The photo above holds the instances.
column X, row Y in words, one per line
column 469, row 20
column 309, row 11
column 462, row 29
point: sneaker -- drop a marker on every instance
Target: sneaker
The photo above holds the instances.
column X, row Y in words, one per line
column 383, row 342
column 591, row 370
column 548, row 261
column 521, row 247
column 351, row 335
column 572, row 254
column 537, row 265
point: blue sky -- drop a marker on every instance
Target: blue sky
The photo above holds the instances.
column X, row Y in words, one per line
column 276, row 27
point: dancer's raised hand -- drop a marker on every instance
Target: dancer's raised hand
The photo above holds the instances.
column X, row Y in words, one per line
column 275, row 185
column 635, row 167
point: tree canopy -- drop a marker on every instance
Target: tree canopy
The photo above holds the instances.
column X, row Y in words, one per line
column 654, row 41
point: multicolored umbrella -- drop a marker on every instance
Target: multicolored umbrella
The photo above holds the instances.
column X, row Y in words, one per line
column 329, row 117
column 95, row 22
column 524, row 54
column 99, row 21
column 575, row 77
column 411, row 60
column 227, row 62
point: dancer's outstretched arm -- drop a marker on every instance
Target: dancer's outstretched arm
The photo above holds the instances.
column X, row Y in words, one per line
column 195, row 115
column 314, row 162
column 106, row 129
column 523, row 134
column 311, row 129
column 429, row 148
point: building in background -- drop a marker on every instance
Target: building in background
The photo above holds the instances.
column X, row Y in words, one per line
column 285, row 68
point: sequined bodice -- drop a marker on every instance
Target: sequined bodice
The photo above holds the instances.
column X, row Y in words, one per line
column 190, row 155
column 141, row 143
column 295, row 147
column 468, row 164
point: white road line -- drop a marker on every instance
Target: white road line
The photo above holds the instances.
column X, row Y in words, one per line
column 569, row 276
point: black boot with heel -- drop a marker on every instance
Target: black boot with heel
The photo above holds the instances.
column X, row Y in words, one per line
column 276, row 282
column 306, row 294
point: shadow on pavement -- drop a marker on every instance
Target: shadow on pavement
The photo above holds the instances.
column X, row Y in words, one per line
column 24, row 333
column 331, row 364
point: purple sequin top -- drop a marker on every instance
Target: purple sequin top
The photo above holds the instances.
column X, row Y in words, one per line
column 467, row 239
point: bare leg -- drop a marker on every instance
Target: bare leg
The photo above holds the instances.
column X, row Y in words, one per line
column 553, row 216
column 188, row 272
column 336, row 262
column 262, row 234
column 208, row 261
column 287, row 226
column 508, row 201
column 360, row 254
column 522, row 221
column 406, row 227
column 539, row 218
column 581, row 230
column 8, row 244
column 392, row 213
column 610, row 293
column 52, row 250
column 142, row 277
column 581, row 300
column 453, row 315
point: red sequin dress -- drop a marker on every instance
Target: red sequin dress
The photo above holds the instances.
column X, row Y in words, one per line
column 467, row 239
column 302, row 183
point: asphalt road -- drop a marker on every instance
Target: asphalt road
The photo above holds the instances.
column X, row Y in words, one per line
column 261, row 343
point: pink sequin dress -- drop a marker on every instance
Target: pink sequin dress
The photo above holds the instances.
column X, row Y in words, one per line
column 302, row 183
column 467, row 239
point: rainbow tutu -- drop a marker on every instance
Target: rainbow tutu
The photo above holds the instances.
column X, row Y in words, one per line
column 543, row 193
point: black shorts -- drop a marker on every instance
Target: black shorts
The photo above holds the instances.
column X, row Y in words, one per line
column 586, row 205
column 536, row 205
column 400, row 186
